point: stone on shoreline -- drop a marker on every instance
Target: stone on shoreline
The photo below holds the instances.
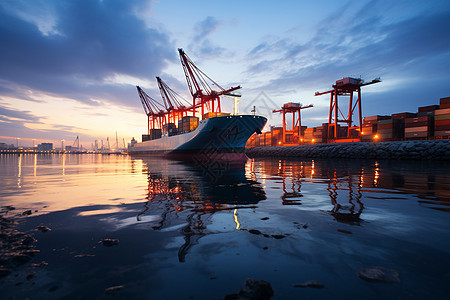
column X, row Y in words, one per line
column 256, row 290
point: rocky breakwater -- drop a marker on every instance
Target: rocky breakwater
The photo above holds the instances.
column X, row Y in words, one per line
column 405, row 150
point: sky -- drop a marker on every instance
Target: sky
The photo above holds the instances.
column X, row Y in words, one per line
column 70, row 68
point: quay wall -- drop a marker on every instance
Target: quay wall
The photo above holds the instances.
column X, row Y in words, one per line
column 404, row 150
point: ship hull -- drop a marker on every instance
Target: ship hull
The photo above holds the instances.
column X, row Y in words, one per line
column 225, row 135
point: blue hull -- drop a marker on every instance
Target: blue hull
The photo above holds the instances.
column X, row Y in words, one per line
column 214, row 135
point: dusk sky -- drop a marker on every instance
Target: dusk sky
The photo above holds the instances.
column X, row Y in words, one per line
column 69, row 67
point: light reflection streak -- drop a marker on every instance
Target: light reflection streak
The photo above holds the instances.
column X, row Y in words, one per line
column 238, row 225
column 19, row 175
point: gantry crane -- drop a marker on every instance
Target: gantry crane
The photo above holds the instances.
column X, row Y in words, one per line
column 345, row 87
column 296, row 122
column 203, row 95
column 155, row 111
column 174, row 103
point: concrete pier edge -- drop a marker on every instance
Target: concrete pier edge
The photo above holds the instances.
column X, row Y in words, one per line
column 400, row 150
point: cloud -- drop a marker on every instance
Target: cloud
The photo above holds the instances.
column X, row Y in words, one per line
column 10, row 114
column 85, row 42
column 367, row 46
column 205, row 27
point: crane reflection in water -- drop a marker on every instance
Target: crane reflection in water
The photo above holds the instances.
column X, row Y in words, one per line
column 189, row 194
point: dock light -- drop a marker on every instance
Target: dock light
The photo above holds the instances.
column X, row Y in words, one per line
column 279, row 143
column 313, row 140
column 362, row 132
column 376, row 137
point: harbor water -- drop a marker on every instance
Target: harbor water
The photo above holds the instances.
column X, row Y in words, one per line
column 113, row 226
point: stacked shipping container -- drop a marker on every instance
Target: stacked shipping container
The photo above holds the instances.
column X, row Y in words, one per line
column 419, row 127
column 187, row 124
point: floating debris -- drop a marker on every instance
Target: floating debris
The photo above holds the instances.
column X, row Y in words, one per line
column 265, row 218
column 26, row 213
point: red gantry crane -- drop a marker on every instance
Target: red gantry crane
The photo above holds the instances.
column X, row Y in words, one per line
column 174, row 103
column 345, row 87
column 155, row 111
column 203, row 95
column 296, row 122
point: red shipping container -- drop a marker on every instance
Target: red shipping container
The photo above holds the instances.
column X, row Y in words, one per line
column 446, row 105
column 442, row 122
column 441, row 127
column 428, row 108
column 403, row 115
column 442, row 111
column 445, row 100
column 442, row 133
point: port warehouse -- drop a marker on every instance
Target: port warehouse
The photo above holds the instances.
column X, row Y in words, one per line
column 429, row 122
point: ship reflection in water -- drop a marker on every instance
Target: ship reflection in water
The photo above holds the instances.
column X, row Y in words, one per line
column 196, row 190
column 198, row 229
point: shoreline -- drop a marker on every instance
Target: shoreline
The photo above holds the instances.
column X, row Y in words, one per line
column 395, row 150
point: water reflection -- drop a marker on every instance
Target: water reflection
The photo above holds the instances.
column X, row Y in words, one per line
column 194, row 191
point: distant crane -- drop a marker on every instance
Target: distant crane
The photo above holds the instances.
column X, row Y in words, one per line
column 76, row 143
column 203, row 95
column 296, row 122
column 345, row 87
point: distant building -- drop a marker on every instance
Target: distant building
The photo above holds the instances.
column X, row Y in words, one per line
column 45, row 147
column 68, row 148
column 3, row 146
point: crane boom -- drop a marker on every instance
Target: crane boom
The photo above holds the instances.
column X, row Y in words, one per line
column 199, row 88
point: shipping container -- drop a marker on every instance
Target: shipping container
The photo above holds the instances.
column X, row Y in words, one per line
column 445, row 100
column 442, row 127
column 442, row 122
column 404, row 115
column 442, row 133
column 416, row 129
column 214, row 114
column 442, row 117
column 442, row 111
column 428, row 108
column 423, row 134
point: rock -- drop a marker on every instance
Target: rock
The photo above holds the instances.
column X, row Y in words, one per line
column 265, row 218
column 31, row 275
column 26, row 213
column 278, row 236
column 379, row 274
column 312, row 284
column 256, row 290
column 43, row 228
column 110, row 242
column 112, row 290
column 41, row 264
column 254, row 231
column 28, row 240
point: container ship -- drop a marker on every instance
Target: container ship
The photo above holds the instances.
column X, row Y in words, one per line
column 174, row 129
